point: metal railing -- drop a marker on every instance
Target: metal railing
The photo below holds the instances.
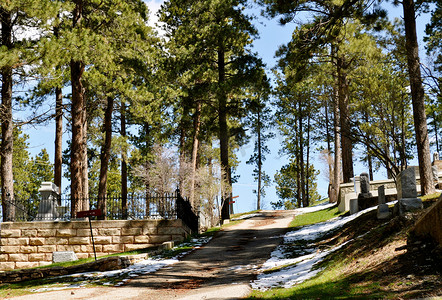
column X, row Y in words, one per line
column 134, row 206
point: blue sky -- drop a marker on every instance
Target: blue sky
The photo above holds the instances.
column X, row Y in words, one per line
column 272, row 36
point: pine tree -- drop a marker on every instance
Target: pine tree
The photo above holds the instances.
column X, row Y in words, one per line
column 13, row 15
column 215, row 33
column 260, row 123
column 418, row 98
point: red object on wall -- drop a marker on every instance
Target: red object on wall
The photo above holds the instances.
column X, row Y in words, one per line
column 89, row 213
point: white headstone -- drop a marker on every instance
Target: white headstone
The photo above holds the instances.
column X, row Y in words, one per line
column 63, row 256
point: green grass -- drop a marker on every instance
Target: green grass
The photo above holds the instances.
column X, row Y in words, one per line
column 90, row 259
column 328, row 284
column 431, row 197
column 324, row 200
column 316, row 217
column 176, row 250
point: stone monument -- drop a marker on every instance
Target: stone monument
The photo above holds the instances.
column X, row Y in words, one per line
column 435, row 172
column 406, row 192
column 47, row 209
column 383, row 212
column 365, row 194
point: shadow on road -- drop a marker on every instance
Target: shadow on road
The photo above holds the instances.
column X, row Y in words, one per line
column 231, row 257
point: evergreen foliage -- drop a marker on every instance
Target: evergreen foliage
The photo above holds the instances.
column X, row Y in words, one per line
column 341, row 87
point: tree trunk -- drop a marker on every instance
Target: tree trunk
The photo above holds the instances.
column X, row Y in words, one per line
column 7, row 180
column 388, row 165
column 58, row 160
column 182, row 148
column 298, row 162
column 369, row 157
column 370, row 166
column 435, row 125
column 105, row 156
column 327, row 132
column 307, row 175
column 123, row 163
column 418, row 99
column 301, row 153
column 347, row 160
column 78, row 115
column 84, row 167
column 195, row 147
column 77, row 143
column 224, row 137
column 334, row 192
column 258, row 194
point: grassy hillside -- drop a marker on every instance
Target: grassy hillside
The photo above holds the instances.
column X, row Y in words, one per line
column 376, row 262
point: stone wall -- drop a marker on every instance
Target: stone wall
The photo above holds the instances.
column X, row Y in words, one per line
column 31, row 244
column 430, row 224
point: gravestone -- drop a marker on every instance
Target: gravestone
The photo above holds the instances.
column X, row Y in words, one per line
column 357, row 184
column 383, row 212
column 63, row 256
column 354, row 206
column 47, row 209
column 407, row 192
column 365, row 195
column 365, row 183
column 435, row 172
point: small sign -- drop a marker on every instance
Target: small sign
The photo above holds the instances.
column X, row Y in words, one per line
column 235, row 197
column 89, row 213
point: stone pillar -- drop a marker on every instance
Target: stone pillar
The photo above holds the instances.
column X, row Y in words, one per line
column 364, row 195
column 47, row 209
column 406, row 192
column 383, row 210
column 357, row 184
column 435, row 171
column 365, row 183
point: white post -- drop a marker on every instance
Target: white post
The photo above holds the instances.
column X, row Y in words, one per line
column 47, row 209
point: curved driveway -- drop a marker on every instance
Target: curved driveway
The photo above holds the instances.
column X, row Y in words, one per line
column 222, row 269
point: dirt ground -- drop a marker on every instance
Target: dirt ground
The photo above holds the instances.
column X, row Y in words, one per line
column 222, row 269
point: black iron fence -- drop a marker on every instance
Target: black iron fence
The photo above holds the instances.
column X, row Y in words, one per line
column 133, row 206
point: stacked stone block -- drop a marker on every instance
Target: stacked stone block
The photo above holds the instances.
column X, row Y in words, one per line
column 31, row 244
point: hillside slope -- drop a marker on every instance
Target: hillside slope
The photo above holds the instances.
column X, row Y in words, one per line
column 376, row 260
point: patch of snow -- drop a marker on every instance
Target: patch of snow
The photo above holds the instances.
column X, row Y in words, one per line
column 309, row 209
column 298, row 273
column 315, row 231
column 247, row 216
column 278, row 259
column 146, row 266
column 301, row 268
column 58, row 288
column 243, row 267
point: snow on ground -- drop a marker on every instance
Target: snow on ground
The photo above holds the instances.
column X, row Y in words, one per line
column 298, row 211
column 149, row 265
column 315, row 231
column 309, row 209
column 246, row 216
column 292, row 271
column 294, row 274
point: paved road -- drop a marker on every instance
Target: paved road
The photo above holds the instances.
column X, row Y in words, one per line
column 220, row 270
